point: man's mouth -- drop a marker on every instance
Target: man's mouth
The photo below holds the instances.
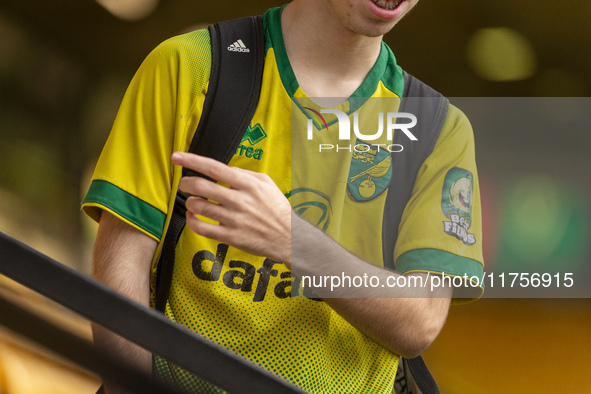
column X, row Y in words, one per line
column 387, row 4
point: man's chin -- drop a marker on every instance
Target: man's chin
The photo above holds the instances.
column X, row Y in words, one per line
column 373, row 30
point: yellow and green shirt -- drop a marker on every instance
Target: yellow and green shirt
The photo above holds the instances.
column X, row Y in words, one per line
column 244, row 302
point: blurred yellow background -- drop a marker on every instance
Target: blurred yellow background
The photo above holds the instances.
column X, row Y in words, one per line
column 64, row 66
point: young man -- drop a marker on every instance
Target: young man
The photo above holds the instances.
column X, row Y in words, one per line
column 232, row 281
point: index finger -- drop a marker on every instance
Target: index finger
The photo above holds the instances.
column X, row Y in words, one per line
column 209, row 167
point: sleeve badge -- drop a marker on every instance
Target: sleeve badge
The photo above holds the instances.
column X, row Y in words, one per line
column 456, row 204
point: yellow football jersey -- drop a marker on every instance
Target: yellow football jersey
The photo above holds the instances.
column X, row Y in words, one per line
column 253, row 305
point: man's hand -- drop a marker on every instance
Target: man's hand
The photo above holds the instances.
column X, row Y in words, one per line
column 253, row 214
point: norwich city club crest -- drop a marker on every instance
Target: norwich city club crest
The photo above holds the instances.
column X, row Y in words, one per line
column 456, row 204
column 370, row 172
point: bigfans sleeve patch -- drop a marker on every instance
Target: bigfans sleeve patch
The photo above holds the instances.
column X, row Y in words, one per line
column 456, row 204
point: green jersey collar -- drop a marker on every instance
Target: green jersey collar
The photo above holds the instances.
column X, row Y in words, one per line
column 384, row 69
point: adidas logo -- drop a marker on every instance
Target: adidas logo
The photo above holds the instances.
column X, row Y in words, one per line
column 238, row 46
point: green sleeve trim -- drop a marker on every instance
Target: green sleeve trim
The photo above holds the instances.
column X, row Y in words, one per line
column 138, row 212
column 439, row 261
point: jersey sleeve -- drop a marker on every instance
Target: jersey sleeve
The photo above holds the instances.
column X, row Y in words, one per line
column 441, row 227
column 134, row 176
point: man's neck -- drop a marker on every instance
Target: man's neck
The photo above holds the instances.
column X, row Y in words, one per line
column 328, row 59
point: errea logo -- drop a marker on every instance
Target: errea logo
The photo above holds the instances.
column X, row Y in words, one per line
column 238, row 46
column 253, row 136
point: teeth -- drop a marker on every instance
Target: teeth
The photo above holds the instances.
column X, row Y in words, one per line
column 387, row 5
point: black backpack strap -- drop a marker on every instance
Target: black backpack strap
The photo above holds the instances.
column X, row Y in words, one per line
column 421, row 375
column 234, row 87
column 430, row 108
column 232, row 97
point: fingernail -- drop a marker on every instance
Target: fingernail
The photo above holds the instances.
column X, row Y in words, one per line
column 177, row 156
